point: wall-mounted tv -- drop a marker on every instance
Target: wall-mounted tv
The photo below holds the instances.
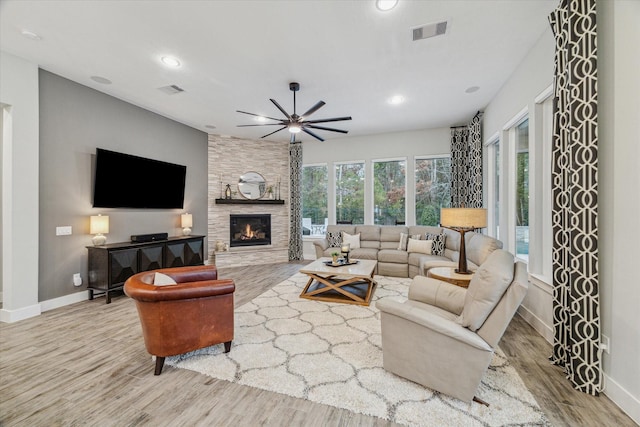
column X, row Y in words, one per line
column 126, row 181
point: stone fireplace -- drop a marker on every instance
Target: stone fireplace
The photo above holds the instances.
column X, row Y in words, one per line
column 249, row 230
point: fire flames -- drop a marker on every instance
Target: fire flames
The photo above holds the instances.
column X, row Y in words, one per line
column 248, row 234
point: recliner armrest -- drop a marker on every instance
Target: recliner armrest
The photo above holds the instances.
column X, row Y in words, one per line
column 436, row 292
column 432, row 321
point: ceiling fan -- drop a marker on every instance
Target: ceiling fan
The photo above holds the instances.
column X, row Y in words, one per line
column 295, row 123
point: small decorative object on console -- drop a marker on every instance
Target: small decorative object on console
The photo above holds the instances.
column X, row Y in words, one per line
column 186, row 220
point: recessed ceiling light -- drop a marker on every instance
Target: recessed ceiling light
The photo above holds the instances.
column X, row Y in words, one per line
column 385, row 5
column 396, row 99
column 260, row 119
column 170, row 61
column 210, row 126
column 30, row 35
column 101, row 80
column 472, row 89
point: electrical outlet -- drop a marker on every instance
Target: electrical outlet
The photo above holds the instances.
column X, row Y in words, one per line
column 63, row 231
column 77, row 280
column 605, row 344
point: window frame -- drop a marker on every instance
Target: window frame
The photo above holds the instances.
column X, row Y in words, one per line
column 335, row 189
column 414, row 193
column 372, row 185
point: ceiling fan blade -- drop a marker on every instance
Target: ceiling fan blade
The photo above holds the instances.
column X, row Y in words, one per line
column 313, row 109
column 257, row 115
column 264, row 136
column 280, row 108
column 263, row 124
column 312, row 134
column 335, row 119
column 330, row 129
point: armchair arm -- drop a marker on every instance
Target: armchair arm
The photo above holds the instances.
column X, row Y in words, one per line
column 196, row 273
column 320, row 246
column 140, row 291
column 443, row 295
column 432, row 321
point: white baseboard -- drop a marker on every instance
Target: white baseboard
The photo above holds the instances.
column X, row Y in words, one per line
column 64, row 300
column 542, row 328
column 621, row 397
column 10, row 316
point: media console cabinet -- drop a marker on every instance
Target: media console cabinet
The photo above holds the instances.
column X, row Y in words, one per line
column 112, row 264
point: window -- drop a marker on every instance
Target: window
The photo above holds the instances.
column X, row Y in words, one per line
column 522, row 190
column 314, row 199
column 389, row 192
column 493, row 187
column 433, row 189
column 350, row 192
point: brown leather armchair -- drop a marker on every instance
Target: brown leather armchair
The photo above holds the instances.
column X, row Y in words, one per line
column 196, row 312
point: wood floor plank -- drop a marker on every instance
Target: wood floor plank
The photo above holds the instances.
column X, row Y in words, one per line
column 86, row 365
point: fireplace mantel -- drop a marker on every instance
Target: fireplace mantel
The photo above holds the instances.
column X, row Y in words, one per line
column 248, row 202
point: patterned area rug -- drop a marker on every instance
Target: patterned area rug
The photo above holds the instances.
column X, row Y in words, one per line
column 331, row 353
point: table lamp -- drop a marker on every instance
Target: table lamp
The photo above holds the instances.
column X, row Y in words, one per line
column 99, row 225
column 463, row 220
column 345, row 249
column 186, row 220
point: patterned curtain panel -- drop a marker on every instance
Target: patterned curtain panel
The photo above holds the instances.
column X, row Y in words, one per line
column 295, row 202
column 576, row 309
column 466, row 165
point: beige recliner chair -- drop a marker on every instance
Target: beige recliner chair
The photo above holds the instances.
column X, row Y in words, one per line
column 444, row 336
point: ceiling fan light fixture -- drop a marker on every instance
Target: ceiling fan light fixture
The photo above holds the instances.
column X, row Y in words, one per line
column 295, row 128
column 386, row 5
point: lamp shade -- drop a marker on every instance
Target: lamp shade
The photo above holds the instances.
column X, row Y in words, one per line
column 99, row 224
column 463, row 217
column 187, row 220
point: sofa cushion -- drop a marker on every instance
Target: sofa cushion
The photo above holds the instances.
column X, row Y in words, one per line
column 334, row 238
column 364, row 253
column 393, row 255
column 437, row 248
column 391, row 236
column 420, row 246
column 353, row 240
column 486, row 288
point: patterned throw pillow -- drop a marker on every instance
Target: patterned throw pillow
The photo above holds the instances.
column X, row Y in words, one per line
column 438, row 243
column 334, row 239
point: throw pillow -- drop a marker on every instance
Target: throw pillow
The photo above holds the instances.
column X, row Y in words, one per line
column 402, row 246
column 438, row 243
column 334, row 238
column 352, row 239
column 420, row 246
column 163, row 280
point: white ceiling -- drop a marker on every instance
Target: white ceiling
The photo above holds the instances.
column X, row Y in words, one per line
column 237, row 54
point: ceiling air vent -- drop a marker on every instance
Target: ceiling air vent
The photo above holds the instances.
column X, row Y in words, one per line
column 429, row 30
column 171, row 90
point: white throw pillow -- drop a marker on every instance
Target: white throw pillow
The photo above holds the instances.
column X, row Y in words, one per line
column 352, row 239
column 163, row 280
column 402, row 246
column 420, row 246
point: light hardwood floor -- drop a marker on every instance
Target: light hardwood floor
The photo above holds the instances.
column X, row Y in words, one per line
column 86, row 365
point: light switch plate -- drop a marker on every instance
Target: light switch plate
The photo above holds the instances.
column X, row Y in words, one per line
column 63, row 231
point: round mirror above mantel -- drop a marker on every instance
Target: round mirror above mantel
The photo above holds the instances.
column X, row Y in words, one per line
column 252, row 185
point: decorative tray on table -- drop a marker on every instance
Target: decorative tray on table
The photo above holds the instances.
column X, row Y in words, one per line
column 340, row 263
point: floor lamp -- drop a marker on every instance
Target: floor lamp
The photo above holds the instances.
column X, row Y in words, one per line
column 463, row 220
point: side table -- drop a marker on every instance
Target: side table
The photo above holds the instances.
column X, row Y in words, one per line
column 448, row 274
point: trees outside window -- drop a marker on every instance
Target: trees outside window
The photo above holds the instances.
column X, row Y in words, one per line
column 314, row 197
column 389, row 188
column 522, row 190
column 350, row 192
column 433, row 189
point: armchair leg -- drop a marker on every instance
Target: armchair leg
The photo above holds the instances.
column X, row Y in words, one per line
column 480, row 401
column 227, row 347
column 159, row 365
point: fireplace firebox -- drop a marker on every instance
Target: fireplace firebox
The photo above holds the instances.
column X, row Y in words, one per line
column 250, row 230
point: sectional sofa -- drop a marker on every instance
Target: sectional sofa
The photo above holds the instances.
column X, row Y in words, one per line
column 383, row 244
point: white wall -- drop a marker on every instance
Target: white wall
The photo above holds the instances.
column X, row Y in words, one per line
column 619, row 197
column 19, row 94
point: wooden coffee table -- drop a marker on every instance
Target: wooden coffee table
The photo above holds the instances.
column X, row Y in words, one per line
column 349, row 284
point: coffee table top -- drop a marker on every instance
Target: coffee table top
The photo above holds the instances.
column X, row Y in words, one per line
column 364, row 268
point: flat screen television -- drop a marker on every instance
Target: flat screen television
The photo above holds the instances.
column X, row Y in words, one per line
column 126, row 181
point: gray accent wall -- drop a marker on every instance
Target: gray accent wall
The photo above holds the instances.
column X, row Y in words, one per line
column 74, row 121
